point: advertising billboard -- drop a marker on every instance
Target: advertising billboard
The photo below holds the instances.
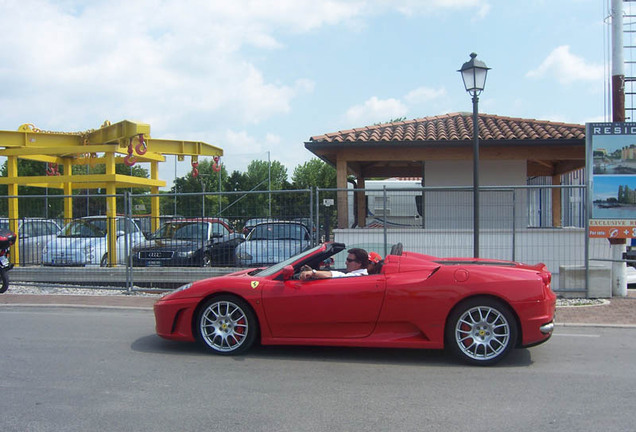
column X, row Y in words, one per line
column 611, row 160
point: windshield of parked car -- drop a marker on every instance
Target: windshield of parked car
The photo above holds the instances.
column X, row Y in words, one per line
column 183, row 231
column 278, row 267
column 85, row 228
column 278, row 231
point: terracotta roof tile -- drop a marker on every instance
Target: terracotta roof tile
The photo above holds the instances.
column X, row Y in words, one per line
column 457, row 127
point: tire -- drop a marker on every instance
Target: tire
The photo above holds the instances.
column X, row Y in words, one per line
column 5, row 281
column 207, row 261
column 481, row 331
column 226, row 325
column 104, row 261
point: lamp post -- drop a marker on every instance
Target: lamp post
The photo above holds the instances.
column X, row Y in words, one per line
column 474, row 76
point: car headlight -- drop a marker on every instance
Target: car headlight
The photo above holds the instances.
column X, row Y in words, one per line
column 182, row 288
column 185, row 254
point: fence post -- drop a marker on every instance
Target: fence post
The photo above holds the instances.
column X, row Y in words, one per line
column 385, row 220
column 128, row 240
column 514, row 224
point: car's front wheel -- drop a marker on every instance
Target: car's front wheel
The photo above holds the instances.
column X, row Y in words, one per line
column 481, row 331
column 226, row 325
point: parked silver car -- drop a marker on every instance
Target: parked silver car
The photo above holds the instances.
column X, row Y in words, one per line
column 33, row 235
column 271, row 242
column 84, row 241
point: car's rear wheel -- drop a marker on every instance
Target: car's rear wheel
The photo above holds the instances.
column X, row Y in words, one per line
column 207, row 260
column 481, row 331
column 226, row 325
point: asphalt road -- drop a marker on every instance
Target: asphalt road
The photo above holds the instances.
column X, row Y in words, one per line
column 69, row 369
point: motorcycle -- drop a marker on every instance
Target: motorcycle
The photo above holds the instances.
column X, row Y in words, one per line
column 7, row 239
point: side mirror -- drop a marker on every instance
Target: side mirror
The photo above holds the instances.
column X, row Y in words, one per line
column 288, row 272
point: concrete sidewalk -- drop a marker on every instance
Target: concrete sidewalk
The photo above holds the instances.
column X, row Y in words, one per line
column 618, row 311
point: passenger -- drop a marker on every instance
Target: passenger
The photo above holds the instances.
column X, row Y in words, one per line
column 357, row 263
column 375, row 263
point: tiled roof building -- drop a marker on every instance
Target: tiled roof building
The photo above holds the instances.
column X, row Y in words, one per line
column 401, row 149
column 457, row 127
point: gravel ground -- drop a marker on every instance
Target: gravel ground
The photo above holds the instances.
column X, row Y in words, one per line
column 52, row 290
column 66, row 290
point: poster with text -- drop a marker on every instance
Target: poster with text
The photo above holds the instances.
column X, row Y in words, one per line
column 611, row 150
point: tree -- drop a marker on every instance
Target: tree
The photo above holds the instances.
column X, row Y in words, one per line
column 32, row 207
column 314, row 173
column 206, row 181
column 260, row 174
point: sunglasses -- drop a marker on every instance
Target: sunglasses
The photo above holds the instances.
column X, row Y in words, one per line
column 351, row 260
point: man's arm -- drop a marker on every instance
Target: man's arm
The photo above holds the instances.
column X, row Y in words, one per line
column 315, row 274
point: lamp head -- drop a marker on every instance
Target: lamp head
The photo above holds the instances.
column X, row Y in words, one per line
column 474, row 74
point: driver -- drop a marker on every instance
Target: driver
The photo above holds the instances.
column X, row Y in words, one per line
column 357, row 263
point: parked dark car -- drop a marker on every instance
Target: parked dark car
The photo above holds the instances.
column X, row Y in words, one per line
column 145, row 222
column 189, row 242
column 271, row 242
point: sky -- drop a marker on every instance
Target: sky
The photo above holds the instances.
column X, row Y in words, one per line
column 258, row 78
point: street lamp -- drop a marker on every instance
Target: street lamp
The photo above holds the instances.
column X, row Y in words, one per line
column 474, row 75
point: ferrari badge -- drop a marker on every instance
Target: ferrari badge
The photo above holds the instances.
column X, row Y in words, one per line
column 254, row 284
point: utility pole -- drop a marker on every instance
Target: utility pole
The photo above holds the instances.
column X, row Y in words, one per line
column 618, row 245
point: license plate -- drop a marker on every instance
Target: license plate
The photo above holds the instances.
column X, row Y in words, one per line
column 154, row 263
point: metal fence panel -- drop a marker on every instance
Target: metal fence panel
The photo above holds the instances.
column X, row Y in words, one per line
column 516, row 224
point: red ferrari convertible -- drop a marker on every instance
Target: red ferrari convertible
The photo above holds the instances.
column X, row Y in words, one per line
column 479, row 309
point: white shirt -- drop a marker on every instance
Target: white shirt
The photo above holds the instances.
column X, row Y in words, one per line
column 358, row 272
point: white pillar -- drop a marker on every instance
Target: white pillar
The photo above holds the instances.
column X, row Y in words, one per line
column 619, row 279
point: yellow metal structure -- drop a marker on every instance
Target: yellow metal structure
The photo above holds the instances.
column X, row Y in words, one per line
column 125, row 141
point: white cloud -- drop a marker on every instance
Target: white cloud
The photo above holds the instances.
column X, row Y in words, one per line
column 376, row 110
column 567, row 67
column 413, row 7
column 113, row 59
column 424, row 94
column 116, row 59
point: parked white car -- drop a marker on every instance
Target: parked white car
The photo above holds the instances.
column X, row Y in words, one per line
column 33, row 235
column 85, row 242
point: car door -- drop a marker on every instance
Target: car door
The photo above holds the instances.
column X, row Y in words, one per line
column 337, row 308
column 27, row 239
column 132, row 236
column 221, row 248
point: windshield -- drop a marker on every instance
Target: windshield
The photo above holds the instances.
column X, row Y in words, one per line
column 278, row 232
column 278, row 267
column 183, row 231
column 85, row 228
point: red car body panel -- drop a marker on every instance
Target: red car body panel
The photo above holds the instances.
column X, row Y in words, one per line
column 406, row 306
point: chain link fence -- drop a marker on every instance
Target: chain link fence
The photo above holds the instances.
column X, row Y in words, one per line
column 198, row 235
